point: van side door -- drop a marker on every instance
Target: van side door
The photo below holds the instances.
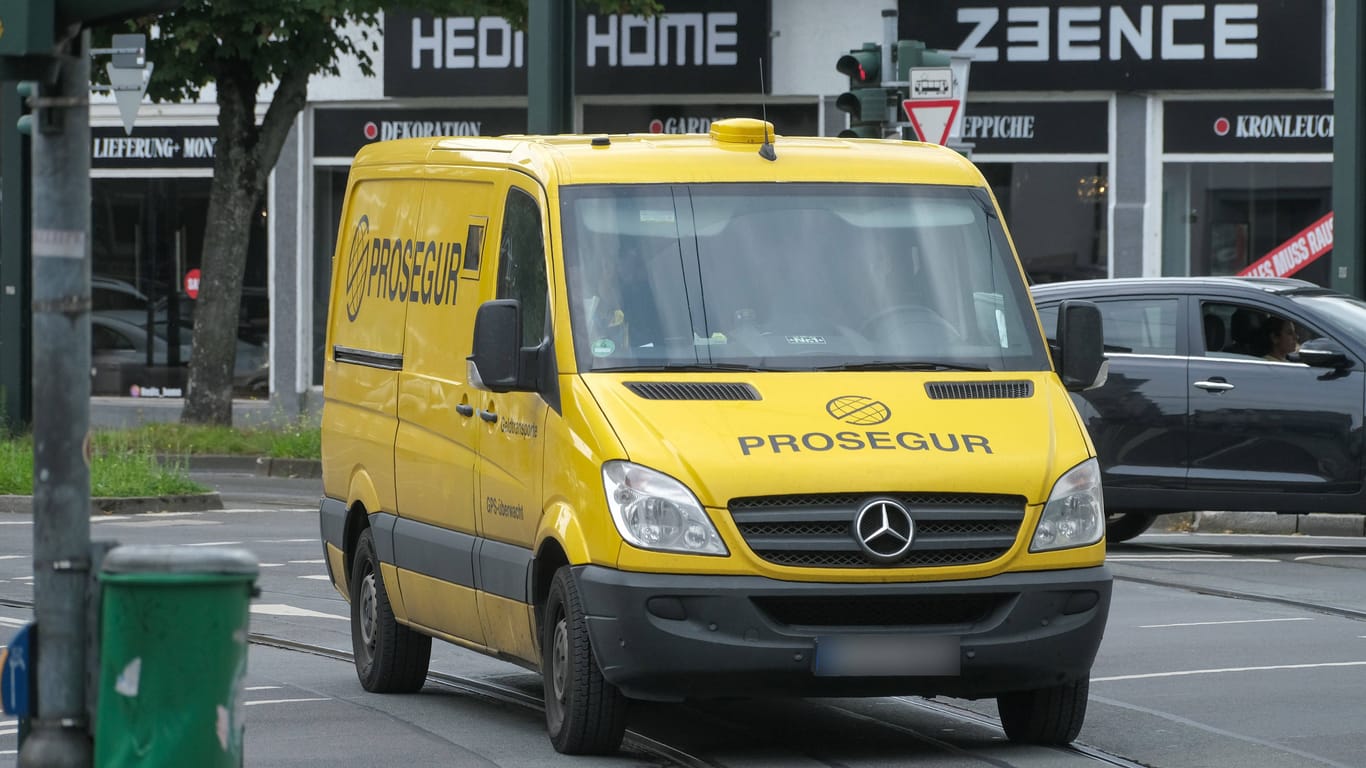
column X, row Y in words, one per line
column 434, row 450
column 512, row 428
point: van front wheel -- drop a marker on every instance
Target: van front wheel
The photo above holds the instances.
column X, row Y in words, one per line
column 390, row 658
column 584, row 714
column 1050, row 715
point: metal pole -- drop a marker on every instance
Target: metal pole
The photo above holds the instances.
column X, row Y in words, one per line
column 1349, row 150
column 889, row 66
column 550, row 66
column 61, row 423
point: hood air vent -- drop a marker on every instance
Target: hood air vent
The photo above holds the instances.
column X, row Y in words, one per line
column 979, row 390
column 692, row 391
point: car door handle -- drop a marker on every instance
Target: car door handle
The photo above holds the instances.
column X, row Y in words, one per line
column 1214, row 386
column 464, row 409
column 488, row 416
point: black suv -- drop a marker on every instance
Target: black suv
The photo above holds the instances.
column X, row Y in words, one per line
column 1199, row 412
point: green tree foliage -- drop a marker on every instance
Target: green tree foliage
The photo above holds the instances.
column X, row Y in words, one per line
column 242, row 48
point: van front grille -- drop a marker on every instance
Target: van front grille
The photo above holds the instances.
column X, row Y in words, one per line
column 817, row 531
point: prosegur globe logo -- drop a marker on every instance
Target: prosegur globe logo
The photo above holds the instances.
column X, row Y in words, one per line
column 858, row 410
column 355, row 269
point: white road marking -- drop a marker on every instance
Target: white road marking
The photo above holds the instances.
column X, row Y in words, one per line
column 1324, row 557
column 280, row 609
column 213, row 544
column 283, row 701
column 271, row 565
column 1207, row 559
column 287, row 541
column 317, row 576
column 8, row 622
column 12, row 557
column 319, row 561
column 1213, row 623
column 1188, row 672
column 15, row 522
column 253, row 688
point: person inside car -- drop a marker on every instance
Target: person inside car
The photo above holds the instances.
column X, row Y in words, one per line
column 1281, row 338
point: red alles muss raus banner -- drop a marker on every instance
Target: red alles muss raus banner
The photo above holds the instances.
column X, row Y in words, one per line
column 1296, row 253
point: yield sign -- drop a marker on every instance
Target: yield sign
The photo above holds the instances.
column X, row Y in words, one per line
column 128, row 86
column 931, row 118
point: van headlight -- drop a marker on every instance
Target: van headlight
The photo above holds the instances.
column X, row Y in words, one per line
column 1075, row 513
column 654, row 511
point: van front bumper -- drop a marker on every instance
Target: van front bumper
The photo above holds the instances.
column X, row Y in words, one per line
column 672, row 637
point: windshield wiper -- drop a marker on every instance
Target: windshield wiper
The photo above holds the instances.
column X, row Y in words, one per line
column 902, row 365
column 675, row 367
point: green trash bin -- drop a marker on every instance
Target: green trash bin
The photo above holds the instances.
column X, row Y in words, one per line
column 173, row 656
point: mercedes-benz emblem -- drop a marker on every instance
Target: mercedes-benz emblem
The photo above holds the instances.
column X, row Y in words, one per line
column 884, row 529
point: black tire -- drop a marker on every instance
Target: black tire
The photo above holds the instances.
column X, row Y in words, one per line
column 1122, row 526
column 1046, row 715
column 390, row 658
column 584, row 714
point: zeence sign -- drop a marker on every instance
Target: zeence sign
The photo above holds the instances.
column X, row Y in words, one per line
column 1121, row 45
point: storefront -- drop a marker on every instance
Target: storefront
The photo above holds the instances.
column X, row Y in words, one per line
column 1048, row 164
column 150, row 200
column 1218, row 127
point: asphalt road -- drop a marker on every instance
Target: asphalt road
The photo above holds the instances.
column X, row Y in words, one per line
column 1221, row 650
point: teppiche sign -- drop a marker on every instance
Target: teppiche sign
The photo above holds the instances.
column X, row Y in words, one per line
column 1296, row 253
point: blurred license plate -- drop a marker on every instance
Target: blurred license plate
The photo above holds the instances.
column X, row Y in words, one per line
column 886, row 655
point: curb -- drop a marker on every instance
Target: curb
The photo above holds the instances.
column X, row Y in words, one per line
column 261, row 466
column 1272, row 523
column 189, row 502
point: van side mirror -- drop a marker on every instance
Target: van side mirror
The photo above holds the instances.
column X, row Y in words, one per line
column 496, row 362
column 1081, row 346
column 1322, row 352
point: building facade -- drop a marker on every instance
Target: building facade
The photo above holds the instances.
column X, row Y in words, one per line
column 1120, row 137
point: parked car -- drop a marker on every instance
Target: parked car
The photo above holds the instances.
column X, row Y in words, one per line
column 1196, row 416
column 118, row 357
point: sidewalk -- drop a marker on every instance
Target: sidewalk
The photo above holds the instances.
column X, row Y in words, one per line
column 1262, row 522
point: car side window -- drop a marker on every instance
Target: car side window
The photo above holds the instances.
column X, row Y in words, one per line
column 1141, row 326
column 1240, row 331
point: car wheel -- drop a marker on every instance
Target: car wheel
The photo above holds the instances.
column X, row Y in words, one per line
column 584, row 714
column 1122, row 526
column 1046, row 715
column 390, row 658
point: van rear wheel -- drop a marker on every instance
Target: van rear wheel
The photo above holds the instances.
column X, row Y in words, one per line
column 1050, row 715
column 584, row 714
column 390, row 658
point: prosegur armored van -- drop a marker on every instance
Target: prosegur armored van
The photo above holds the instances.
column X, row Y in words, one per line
column 671, row 417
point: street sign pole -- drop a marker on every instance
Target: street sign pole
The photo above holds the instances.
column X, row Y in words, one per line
column 61, row 412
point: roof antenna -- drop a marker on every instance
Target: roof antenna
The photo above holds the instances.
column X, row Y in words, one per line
column 766, row 150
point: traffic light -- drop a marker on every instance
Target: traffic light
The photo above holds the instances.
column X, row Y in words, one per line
column 34, row 27
column 866, row 100
column 913, row 53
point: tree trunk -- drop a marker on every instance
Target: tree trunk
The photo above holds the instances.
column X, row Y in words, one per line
column 244, row 156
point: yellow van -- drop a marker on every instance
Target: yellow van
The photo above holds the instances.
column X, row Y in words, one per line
column 671, row 417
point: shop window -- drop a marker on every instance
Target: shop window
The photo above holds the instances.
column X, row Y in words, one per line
column 1219, row 218
column 329, row 192
column 1057, row 215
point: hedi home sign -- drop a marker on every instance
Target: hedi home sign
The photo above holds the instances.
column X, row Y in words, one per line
column 1119, row 45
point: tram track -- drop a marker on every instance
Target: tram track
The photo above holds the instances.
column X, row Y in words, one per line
column 638, row 742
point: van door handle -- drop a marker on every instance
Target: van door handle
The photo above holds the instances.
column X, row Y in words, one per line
column 465, row 409
column 488, row 416
column 1214, row 385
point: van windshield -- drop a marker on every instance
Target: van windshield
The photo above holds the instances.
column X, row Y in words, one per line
column 793, row 276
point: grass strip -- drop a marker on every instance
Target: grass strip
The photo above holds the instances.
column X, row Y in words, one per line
column 121, row 467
